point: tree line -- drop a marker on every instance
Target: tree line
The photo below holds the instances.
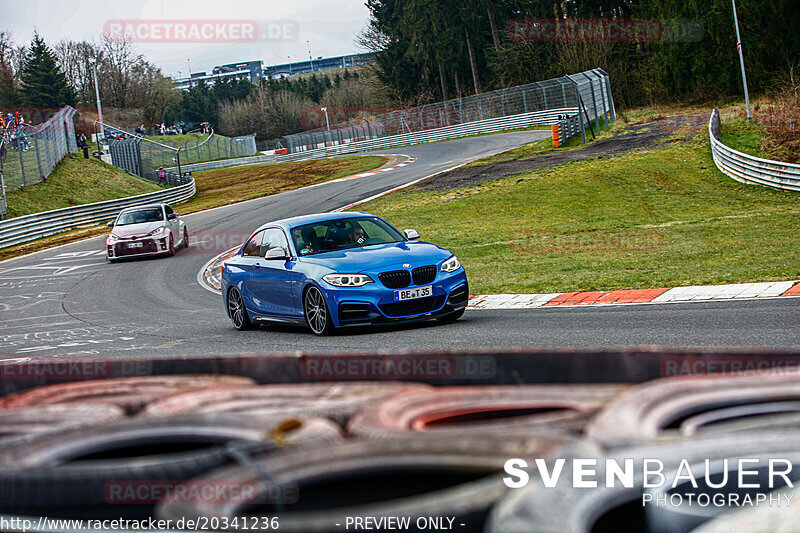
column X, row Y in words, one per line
column 435, row 49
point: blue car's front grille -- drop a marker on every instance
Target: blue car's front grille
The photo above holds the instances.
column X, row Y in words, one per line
column 413, row 307
column 396, row 279
column 423, row 275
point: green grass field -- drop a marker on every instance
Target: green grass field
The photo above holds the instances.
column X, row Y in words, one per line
column 228, row 185
column 655, row 218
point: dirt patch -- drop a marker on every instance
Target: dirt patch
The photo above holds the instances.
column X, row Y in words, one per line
column 649, row 136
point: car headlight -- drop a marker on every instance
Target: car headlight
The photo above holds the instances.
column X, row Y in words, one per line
column 347, row 280
column 451, row 265
column 156, row 231
column 113, row 238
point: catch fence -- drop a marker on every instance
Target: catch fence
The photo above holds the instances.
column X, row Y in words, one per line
column 588, row 92
column 30, row 153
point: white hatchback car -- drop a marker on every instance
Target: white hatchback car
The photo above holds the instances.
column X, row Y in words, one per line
column 146, row 230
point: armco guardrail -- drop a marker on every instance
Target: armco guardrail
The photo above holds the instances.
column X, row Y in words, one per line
column 524, row 120
column 27, row 228
column 750, row 169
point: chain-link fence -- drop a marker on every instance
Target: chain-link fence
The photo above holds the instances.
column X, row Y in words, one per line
column 587, row 95
column 209, row 148
column 30, row 153
column 145, row 157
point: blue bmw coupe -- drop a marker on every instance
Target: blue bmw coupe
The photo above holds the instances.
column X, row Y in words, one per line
column 336, row 270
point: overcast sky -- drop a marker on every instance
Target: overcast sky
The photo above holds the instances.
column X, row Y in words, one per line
column 329, row 25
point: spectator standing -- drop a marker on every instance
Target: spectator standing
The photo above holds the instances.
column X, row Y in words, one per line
column 162, row 176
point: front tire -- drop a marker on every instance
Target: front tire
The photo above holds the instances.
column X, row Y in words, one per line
column 317, row 315
column 237, row 311
column 185, row 243
column 171, row 249
column 452, row 317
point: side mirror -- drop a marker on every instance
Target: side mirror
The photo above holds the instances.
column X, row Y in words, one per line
column 277, row 254
column 411, row 234
column 110, row 224
column 172, row 216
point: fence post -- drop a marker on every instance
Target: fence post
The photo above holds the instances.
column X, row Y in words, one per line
column 3, row 204
column 594, row 103
column 38, row 159
column 607, row 86
column 580, row 109
column 21, row 164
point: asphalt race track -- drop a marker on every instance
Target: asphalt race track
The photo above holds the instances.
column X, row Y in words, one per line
column 68, row 300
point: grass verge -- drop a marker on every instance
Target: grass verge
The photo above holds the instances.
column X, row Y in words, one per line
column 76, row 181
column 654, row 218
column 229, row 185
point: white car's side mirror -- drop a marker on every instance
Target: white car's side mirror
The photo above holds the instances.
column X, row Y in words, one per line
column 411, row 234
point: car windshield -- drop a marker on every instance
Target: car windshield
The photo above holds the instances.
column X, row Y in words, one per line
column 140, row 216
column 343, row 233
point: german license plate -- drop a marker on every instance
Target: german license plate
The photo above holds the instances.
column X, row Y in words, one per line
column 135, row 245
column 413, row 294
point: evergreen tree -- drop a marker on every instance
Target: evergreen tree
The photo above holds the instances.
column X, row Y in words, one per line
column 43, row 83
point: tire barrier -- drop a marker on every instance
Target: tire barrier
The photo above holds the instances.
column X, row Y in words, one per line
column 413, row 477
column 488, row 409
column 71, row 470
column 684, row 518
column 130, row 394
column 759, row 519
column 21, row 421
column 611, row 509
column 663, row 409
column 338, row 401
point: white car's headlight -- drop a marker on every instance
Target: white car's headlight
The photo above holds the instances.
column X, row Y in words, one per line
column 451, row 265
column 347, row 280
column 113, row 237
column 156, row 231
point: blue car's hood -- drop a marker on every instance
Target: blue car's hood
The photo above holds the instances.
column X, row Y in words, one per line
column 380, row 257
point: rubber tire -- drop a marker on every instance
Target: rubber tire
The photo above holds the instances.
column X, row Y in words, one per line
column 129, row 394
column 477, row 460
column 246, row 322
column 452, row 317
column 328, row 328
column 338, row 401
column 683, row 518
column 20, row 421
column 762, row 519
column 185, row 243
column 565, row 509
column 37, row 473
column 641, row 415
column 417, row 410
column 171, row 250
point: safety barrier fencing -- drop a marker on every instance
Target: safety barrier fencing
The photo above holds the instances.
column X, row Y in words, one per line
column 29, row 227
column 525, row 120
column 746, row 168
